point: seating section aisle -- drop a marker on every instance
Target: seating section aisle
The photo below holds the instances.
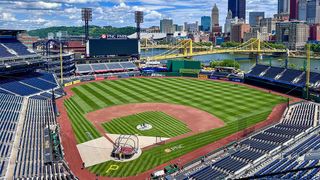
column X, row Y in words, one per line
column 10, row 108
column 30, row 150
column 30, row 161
column 30, row 84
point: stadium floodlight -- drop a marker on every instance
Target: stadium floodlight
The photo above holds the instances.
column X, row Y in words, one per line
column 86, row 17
column 138, row 19
column 138, row 16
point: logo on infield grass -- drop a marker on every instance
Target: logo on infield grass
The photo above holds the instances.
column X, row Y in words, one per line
column 174, row 148
column 112, row 168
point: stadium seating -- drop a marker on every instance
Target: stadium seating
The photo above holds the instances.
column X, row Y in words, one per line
column 260, row 147
column 289, row 75
column 114, row 66
column 128, row 65
column 230, row 164
column 29, row 163
column 28, row 85
column 273, row 72
column 257, row 70
column 84, row 68
column 248, row 155
column 15, row 46
column 10, row 107
column 99, row 67
column 302, row 115
column 36, row 116
column 105, row 67
column 283, row 76
column 208, row 173
column 4, row 52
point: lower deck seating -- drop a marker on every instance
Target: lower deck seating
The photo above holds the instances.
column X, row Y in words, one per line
column 35, row 117
column 302, row 115
column 208, row 173
column 10, row 109
column 258, row 69
column 30, row 162
column 299, row 119
column 282, row 76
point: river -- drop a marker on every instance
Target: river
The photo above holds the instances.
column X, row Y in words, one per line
column 245, row 65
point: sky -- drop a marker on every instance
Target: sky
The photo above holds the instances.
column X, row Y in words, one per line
column 33, row 14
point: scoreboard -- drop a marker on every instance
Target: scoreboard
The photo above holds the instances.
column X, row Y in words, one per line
column 117, row 47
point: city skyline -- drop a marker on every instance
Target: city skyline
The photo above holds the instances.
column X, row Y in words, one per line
column 30, row 14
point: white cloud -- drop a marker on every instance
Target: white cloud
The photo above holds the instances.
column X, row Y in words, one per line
column 37, row 5
column 7, row 17
column 30, row 14
column 153, row 15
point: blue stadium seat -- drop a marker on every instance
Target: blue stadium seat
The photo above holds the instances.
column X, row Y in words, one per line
column 16, row 46
column 273, row 72
column 30, row 84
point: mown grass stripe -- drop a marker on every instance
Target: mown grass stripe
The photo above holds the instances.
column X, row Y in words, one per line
column 237, row 105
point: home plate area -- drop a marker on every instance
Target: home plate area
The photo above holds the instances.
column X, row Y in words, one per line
column 101, row 150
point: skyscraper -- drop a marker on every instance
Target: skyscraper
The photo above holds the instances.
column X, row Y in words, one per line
column 238, row 8
column 166, row 26
column 215, row 16
column 294, row 4
column 191, row 27
column 313, row 11
column 292, row 34
column 302, row 12
column 254, row 16
column 227, row 25
column 238, row 31
column 206, row 23
column 315, row 32
column 283, row 6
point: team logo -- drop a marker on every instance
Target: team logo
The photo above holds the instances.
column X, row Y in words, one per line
column 174, row 148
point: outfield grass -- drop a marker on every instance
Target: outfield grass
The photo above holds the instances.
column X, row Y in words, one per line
column 238, row 106
column 163, row 125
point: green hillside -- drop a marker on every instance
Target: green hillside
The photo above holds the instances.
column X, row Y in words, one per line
column 95, row 31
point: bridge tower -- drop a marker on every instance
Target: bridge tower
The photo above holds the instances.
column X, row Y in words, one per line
column 259, row 46
column 187, row 46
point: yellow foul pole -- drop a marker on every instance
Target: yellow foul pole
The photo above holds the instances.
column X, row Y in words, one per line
column 308, row 70
column 61, row 65
column 191, row 47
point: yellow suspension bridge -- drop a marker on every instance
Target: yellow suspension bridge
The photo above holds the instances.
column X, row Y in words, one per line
column 184, row 49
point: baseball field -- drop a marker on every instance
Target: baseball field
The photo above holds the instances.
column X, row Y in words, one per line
column 236, row 105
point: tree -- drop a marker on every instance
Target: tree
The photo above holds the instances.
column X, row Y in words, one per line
column 230, row 44
column 276, row 45
column 95, row 31
column 208, row 44
column 225, row 63
column 292, row 66
column 315, row 48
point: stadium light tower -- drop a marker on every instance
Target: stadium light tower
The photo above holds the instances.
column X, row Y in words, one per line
column 138, row 19
column 86, row 17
